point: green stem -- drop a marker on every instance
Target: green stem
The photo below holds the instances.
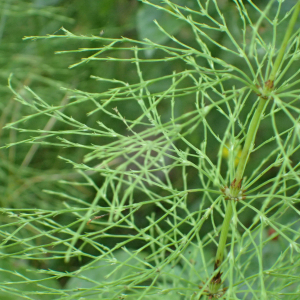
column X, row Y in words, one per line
column 249, row 141
column 223, row 237
column 216, row 281
column 235, row 187
column 284, row 44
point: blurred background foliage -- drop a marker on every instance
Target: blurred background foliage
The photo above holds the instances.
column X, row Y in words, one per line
column 27, row 170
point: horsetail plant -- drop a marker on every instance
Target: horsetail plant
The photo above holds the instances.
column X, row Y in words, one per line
column 152, row 208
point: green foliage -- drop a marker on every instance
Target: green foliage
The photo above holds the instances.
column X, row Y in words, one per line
column 112, row 171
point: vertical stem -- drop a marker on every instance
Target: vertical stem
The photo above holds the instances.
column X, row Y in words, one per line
column 248, row 142
column 262, row 103
column 285, row 41
column 235, row 187
column 223, row 237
